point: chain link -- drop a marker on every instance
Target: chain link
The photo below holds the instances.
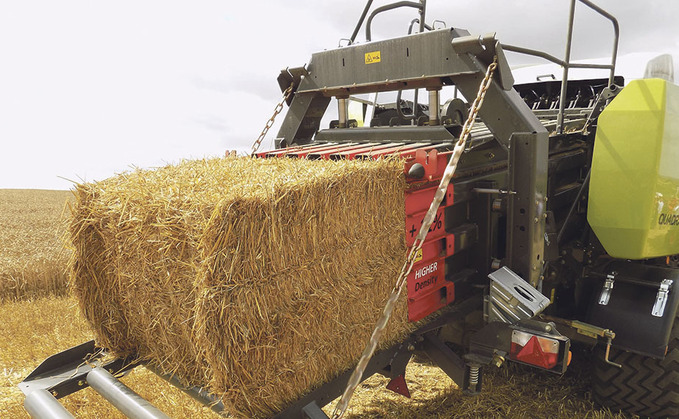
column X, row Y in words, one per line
column 369, row 350
column 269, row 123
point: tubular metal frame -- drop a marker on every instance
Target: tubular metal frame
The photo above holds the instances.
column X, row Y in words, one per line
column 566, row 62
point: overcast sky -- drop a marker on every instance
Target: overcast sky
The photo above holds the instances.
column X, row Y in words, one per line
column 92, row 88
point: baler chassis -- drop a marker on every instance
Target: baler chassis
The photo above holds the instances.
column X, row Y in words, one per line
column 533, row 144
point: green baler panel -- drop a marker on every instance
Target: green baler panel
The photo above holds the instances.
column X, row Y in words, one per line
column 634, row 186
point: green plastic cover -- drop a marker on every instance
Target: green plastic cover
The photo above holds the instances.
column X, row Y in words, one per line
column 634, row 186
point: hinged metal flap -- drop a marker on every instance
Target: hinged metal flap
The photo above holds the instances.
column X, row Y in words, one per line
column 511, row 299
column 605, row 296
column 661, row 299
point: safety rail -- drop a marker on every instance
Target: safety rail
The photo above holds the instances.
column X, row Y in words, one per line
column 566, row 62
column 421, row 6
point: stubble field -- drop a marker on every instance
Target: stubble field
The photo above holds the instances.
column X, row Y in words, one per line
column 39, row 318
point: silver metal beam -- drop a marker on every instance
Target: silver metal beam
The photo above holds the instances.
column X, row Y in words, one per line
column 122, row 397
column 343, row 110
column 197, row 393
column 567, row 59
column 41, row 404
column 434, row 103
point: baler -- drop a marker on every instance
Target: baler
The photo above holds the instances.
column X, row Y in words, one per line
column 560, row 226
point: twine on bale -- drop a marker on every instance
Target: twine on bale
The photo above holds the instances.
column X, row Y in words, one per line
column 381, row 324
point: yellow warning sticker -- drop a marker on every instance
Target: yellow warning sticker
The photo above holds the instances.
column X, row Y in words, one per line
column 418, row 255
column 372, row 57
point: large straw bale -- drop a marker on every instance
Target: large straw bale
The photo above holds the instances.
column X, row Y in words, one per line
column 260, row 278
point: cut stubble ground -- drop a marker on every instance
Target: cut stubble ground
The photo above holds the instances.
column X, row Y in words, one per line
column 34, row 330
column 33, row 257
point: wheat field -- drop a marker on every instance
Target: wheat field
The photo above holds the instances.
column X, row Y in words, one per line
column 32, row 254
column 38, row 319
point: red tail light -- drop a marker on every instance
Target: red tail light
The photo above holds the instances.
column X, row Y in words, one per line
column 536, row 350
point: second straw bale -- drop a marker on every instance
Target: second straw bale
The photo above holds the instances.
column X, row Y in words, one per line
column 261, row 278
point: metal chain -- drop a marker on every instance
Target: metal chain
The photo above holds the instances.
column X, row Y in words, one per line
column 269, row 123
column 369, row 350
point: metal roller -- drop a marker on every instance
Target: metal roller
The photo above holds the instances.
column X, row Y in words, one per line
column 122, row 397
column 42, row 404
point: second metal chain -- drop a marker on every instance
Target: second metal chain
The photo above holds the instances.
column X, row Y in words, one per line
column 269, row 123
column 368, row 352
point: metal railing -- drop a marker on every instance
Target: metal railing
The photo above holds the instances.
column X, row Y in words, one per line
column 566, row 62
column 421, row 6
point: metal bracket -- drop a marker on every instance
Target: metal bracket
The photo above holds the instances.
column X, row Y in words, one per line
column 65, row 373
column 494, row 191
column 608, row 288
column 292, row 76
column 444, row 357
column 313, row 411
column 485, row 48
column 606, row 95
column 591, row 331
column 661, row 297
